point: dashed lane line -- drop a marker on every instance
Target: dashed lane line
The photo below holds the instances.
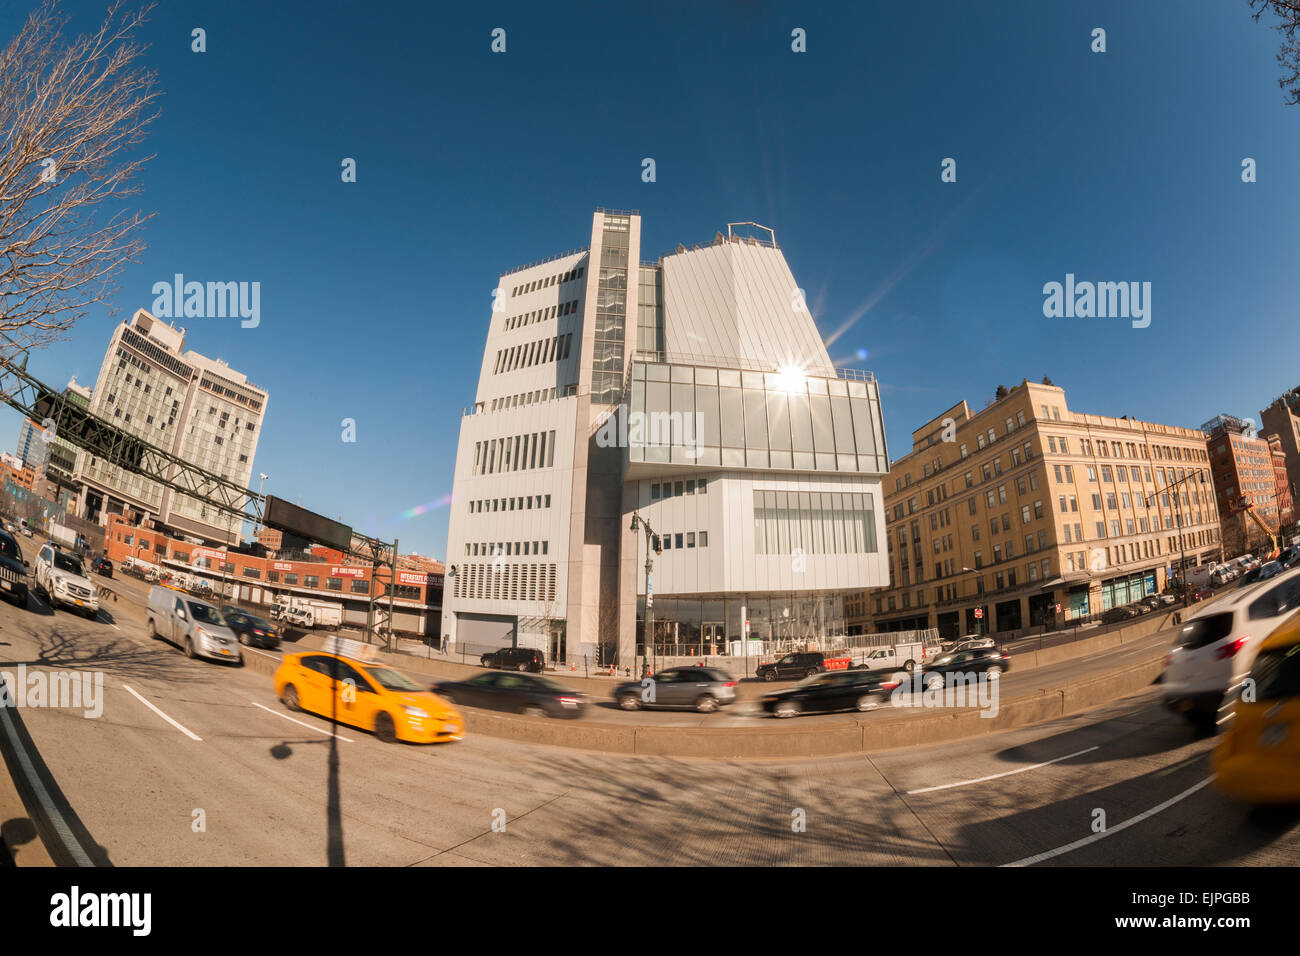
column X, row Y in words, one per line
column 1008, row 773
column 178, row 726
column 300, row 723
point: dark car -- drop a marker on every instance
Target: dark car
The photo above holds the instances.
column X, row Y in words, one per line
column 702, row 688
column 525, row 694
column 250, row 629
column 983, row 660
column 834, row 690
column 1270, row 570
column 1251, row 576
column 1122, row 613
column 13, row 570
column 793, row 666
column 102, row 566
column 516, row 659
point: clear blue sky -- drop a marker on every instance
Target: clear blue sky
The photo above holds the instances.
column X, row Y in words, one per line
column 376, row 295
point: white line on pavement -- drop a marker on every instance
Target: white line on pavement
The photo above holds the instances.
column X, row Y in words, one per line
column 187, row 733
column 47, row 804
column 325, row 733
column 995, row 776
column 1038, row 858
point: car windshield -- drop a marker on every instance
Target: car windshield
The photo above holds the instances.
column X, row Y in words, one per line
column 1277, row 673
column 204, row 613
column 390, row 679
column 9, row 548
column 65, row 562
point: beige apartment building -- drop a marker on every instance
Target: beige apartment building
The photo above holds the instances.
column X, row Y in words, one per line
column 1037, row 515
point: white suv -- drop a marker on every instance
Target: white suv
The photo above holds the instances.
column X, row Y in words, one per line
column 1214, row 650
column 63, row 579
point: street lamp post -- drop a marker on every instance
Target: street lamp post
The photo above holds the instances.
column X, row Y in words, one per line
column 1178, row 515
column 637, row 523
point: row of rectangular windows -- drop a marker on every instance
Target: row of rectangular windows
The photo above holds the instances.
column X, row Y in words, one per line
column 517, row 453
column 556, row 279
column 669, row 489
column 683, row 540
column 527, row 502
column 541, row 315
column 506, row 548
column 802, row 522
column 534, row 353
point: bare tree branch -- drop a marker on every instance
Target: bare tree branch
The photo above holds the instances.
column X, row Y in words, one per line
column 1288, row 57
column 70, row 115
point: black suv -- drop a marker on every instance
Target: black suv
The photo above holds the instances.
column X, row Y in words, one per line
column 516, row 659
column 13, row 570
column 103, row 566
column 793, row 665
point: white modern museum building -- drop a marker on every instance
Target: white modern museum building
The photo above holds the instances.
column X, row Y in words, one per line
column 694, row 394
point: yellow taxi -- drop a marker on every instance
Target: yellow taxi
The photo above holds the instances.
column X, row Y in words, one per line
column 1258, row 760
column 367, row 694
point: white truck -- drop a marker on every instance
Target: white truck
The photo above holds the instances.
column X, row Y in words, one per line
column 64, row 537
column 905, row 657
column 1199, row 576
column 306, row 612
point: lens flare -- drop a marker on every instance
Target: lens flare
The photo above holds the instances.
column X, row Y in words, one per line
column 423, row 509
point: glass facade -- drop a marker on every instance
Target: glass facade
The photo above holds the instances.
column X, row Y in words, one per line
column 715, row 416
column 611, row 312
column 700, row 627
column 650, row 311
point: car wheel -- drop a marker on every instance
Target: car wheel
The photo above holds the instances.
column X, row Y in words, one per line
column 935, row 682
column 243, row 639
column 153, row 632
column 532, row 710
column 785, row 708
column 769, row 675
column 706, row 704
column 909, row 666
column 385, row 731
column 630, row 702
column 867, row 702
column 993, row 670
column 521, row 668
column 812, row 672
column 189, row 648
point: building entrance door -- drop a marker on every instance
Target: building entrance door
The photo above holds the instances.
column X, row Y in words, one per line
column 714, row 638
column 558, row 648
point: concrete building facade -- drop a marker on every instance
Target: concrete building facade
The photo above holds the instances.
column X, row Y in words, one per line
column 1037, row 515
column 197, row 408
column 693, row 392
column 1242, row 468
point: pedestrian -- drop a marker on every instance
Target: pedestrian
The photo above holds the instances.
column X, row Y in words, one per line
column 442, row 649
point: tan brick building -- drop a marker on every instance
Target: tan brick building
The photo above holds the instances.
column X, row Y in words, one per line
column 1026, row 507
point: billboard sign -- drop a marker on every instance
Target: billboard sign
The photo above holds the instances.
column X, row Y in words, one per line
column 283, row 516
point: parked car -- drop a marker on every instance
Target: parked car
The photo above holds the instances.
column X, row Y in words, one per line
column 102, row 566
column 1125, row 612
column 970, row 643
column 835, row 690
column 526, row 694
column 251, row 629
column 1217, row 645
column 367, row 695
column 194, row 626
column 1270, row 570
column 516, row 659
column 701, row 688
column 62, row 578
column 13, row 571
column 1258, row 760
column 979, row 660
column 792, row 666
column 1252, row 574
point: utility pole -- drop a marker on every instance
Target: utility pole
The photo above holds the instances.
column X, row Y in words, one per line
column 637, row 523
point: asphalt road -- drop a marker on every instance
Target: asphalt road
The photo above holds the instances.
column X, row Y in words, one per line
column 184, row 742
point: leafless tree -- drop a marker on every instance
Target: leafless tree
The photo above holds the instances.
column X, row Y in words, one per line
column 1288, row 57
column 71, row 114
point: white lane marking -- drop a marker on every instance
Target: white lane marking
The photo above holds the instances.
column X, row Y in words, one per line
column 995, row 776
column 318, row 730
column 1039, row 857
column 187, row 733
column 42, row 795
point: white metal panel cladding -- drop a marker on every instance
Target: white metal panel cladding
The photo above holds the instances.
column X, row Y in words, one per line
column 730, row 562
column 738, row 301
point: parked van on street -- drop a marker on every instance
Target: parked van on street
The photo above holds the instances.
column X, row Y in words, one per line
column 196, row 627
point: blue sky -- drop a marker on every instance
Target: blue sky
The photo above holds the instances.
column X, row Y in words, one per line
column 375, row 296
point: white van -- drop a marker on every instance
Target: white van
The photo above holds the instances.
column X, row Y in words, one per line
column 1216, row 646
column 195, row 626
